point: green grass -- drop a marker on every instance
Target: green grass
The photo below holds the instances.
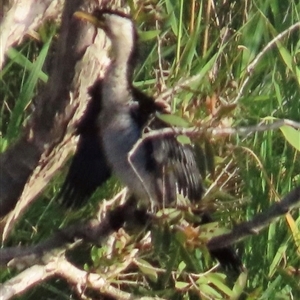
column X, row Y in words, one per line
column 217, row 44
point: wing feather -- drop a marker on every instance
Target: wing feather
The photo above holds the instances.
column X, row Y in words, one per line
column 89, row 168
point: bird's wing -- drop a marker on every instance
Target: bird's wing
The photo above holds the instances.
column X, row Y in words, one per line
column 87, row 172
column 175, row 167
column 88, row 169
column 172, row 163
column 176, row 171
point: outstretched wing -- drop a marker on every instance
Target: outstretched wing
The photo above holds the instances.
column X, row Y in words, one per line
column 172, row 163
column 175, row 170
column 88, row 169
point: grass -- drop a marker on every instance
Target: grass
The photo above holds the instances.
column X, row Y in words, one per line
column 217, row 43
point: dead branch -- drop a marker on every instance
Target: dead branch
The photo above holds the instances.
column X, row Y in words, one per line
column 259, row 222
column 93, row 231
column 196, row 132
column 254, row 62
column 47, row 259
column 25, row 280
column 96, row 230
column 47, row 140
column 57, row 265
column 21, row 17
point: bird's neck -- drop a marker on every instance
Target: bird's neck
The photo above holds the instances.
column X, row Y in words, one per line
column 117, row 80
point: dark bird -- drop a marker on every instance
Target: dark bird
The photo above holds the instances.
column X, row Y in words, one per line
column 89, row 168
column 159, row 168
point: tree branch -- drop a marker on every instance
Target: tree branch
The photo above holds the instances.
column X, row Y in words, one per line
column 252, row 65
column 259, row 222
column 195, row 132
column 23, row 17
column 96, row 230
column 57, row 265
column 47, row 259
column 91, row 231
column 47, row 139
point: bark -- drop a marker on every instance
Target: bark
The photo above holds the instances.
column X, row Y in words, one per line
column 21, row 17
column 47, row 138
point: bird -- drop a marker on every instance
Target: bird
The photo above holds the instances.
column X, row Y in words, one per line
column 89, row 169
column 165, row 166
column 161, row 167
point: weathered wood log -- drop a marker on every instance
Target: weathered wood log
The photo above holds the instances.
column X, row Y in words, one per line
column 47, row 138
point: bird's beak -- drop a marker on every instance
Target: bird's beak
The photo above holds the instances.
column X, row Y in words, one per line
column 90, row 18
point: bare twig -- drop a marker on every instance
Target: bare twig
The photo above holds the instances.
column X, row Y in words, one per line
column 95, row 230
column 259, row 222
column 195, row 132
column 57, row 265
column 255, row 61
column 25, row 280
column 91, row 231
column 181, row 85
column 48, row 258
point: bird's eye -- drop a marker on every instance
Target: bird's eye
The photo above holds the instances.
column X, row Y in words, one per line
column 99, row 15
column 101, row 18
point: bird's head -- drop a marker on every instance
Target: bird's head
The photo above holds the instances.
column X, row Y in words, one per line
column 118, row 26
